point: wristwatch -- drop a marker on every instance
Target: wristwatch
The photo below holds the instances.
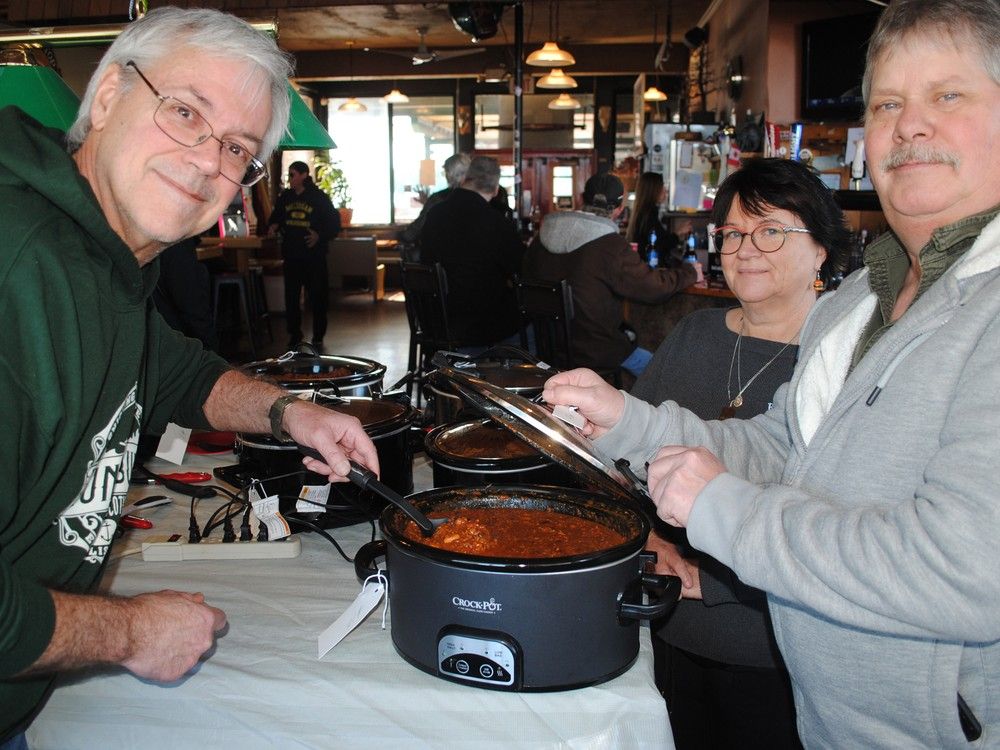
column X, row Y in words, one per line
column 277, row 413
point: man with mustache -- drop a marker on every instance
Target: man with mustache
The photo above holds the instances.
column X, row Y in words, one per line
column 183, row 109
column 865, row 503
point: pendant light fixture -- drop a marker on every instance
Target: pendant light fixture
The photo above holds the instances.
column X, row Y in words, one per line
column 36, row 89
column 352, row 105
column 395, row 97
column 556, row 79
column 304, row 130
column 653, row 94
column 565, row 101
column 550, row 55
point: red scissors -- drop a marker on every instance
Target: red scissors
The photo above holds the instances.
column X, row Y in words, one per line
column 188, row 476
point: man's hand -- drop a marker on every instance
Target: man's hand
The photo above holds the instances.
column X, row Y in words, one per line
column 337, row 436
column 669, row 562
column 168, row 632
column 158, row 636
column 312, row 237
column 597, row 400
column 675, row 478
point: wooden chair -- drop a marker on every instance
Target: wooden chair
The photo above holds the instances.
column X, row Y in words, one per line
column 356, row 256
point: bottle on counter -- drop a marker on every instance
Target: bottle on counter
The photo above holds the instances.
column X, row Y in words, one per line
column 691, row 257
column 652, row 254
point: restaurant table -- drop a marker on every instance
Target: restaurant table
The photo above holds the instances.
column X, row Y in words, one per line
column 263, row 686
column 239, row 250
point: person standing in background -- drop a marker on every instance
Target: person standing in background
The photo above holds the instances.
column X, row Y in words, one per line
column 650, row 193
column 307, row 221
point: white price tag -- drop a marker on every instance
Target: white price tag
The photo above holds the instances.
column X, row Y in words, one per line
column 266, row 510
column 173, row 444
column 312, row 497
column 569, row 415
column 371, row 593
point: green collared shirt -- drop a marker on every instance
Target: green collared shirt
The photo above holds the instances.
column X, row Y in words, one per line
column 888, row 264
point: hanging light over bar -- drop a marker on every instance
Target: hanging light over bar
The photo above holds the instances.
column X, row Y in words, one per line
column 556, row 79
column 565, row 101
column 549, row 55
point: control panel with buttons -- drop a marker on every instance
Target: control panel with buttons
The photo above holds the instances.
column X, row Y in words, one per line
column 489, row 660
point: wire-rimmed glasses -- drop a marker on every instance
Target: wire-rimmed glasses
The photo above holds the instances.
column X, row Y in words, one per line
column 183, row 124
column 767, row 237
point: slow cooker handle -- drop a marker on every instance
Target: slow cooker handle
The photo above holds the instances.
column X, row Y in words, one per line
column 667, row 590
column 364, row 560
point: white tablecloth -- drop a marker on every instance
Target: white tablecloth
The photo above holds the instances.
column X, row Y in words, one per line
column 263, row 686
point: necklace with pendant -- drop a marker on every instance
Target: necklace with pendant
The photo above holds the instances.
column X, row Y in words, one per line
column 735, row 402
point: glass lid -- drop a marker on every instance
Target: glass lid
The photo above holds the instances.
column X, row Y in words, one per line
column 534, row 423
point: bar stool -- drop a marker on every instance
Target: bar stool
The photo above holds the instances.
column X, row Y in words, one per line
column 238, row 281
column 258, row 300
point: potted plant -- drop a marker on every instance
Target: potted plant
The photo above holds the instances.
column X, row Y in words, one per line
column 331, row 180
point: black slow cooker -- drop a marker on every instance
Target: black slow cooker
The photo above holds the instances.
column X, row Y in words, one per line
column 525, row 624
column 387, row 421
column 519, row 624
column 479, row 452
column 332, row 373
column 507, row 367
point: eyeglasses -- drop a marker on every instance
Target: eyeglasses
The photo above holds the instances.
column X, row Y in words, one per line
column 183, row 124
column 768, row 238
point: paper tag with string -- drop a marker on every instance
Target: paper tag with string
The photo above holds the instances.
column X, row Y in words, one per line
column 312, row 498
column 266, row 510
column 372, row 591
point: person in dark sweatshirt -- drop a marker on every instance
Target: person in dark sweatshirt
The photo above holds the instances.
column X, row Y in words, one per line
column 87, row 364
column 307, row 221
column 585, row 248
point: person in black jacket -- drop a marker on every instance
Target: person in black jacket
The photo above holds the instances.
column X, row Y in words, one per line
column 307, row 221
column 480, row 252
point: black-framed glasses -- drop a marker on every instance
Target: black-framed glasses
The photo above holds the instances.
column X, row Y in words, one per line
column 185, row 125
column 767, row 237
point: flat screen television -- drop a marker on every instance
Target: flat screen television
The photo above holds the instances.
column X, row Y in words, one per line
column 833, row 63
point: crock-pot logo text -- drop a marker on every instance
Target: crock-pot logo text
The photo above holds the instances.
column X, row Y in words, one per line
column 490, row 606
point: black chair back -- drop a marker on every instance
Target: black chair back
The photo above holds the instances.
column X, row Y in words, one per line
column 425, row 288
column 548, row 307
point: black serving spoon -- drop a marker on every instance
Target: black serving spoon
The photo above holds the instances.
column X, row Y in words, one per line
column 366, row 480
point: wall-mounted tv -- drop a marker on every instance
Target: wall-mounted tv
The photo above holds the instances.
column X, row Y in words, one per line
column 833, row 63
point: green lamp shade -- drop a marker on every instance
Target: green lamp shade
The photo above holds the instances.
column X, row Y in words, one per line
column 41, row 93
column 304, row 130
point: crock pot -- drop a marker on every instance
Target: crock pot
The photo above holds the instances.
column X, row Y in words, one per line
column 337, row 374
column 519, row 624
column 387, row 421
column 479, row 452
column 507, row 367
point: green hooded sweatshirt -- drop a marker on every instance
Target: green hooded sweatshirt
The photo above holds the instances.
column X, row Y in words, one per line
column 86, row 364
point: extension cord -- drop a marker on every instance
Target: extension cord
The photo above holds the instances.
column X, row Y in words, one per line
column 158, row 549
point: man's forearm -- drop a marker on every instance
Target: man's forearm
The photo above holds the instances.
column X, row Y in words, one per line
column 240, row 403
column 89, row 630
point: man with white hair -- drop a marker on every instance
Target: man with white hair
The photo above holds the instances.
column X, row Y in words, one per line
column 455, row 167
column 865, row 503
column 183, row 110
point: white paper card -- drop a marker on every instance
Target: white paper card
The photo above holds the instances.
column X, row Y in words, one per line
column 173, row 445
column 312, row 497
column 569, row 415
column 266, row 510
column 369, row 597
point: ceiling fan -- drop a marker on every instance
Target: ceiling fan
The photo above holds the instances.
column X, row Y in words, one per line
column 421, row 55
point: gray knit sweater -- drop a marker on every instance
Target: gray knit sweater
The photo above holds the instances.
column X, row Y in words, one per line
column 866, row 506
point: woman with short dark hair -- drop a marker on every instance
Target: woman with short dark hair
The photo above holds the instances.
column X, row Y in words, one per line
column 781, row 237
